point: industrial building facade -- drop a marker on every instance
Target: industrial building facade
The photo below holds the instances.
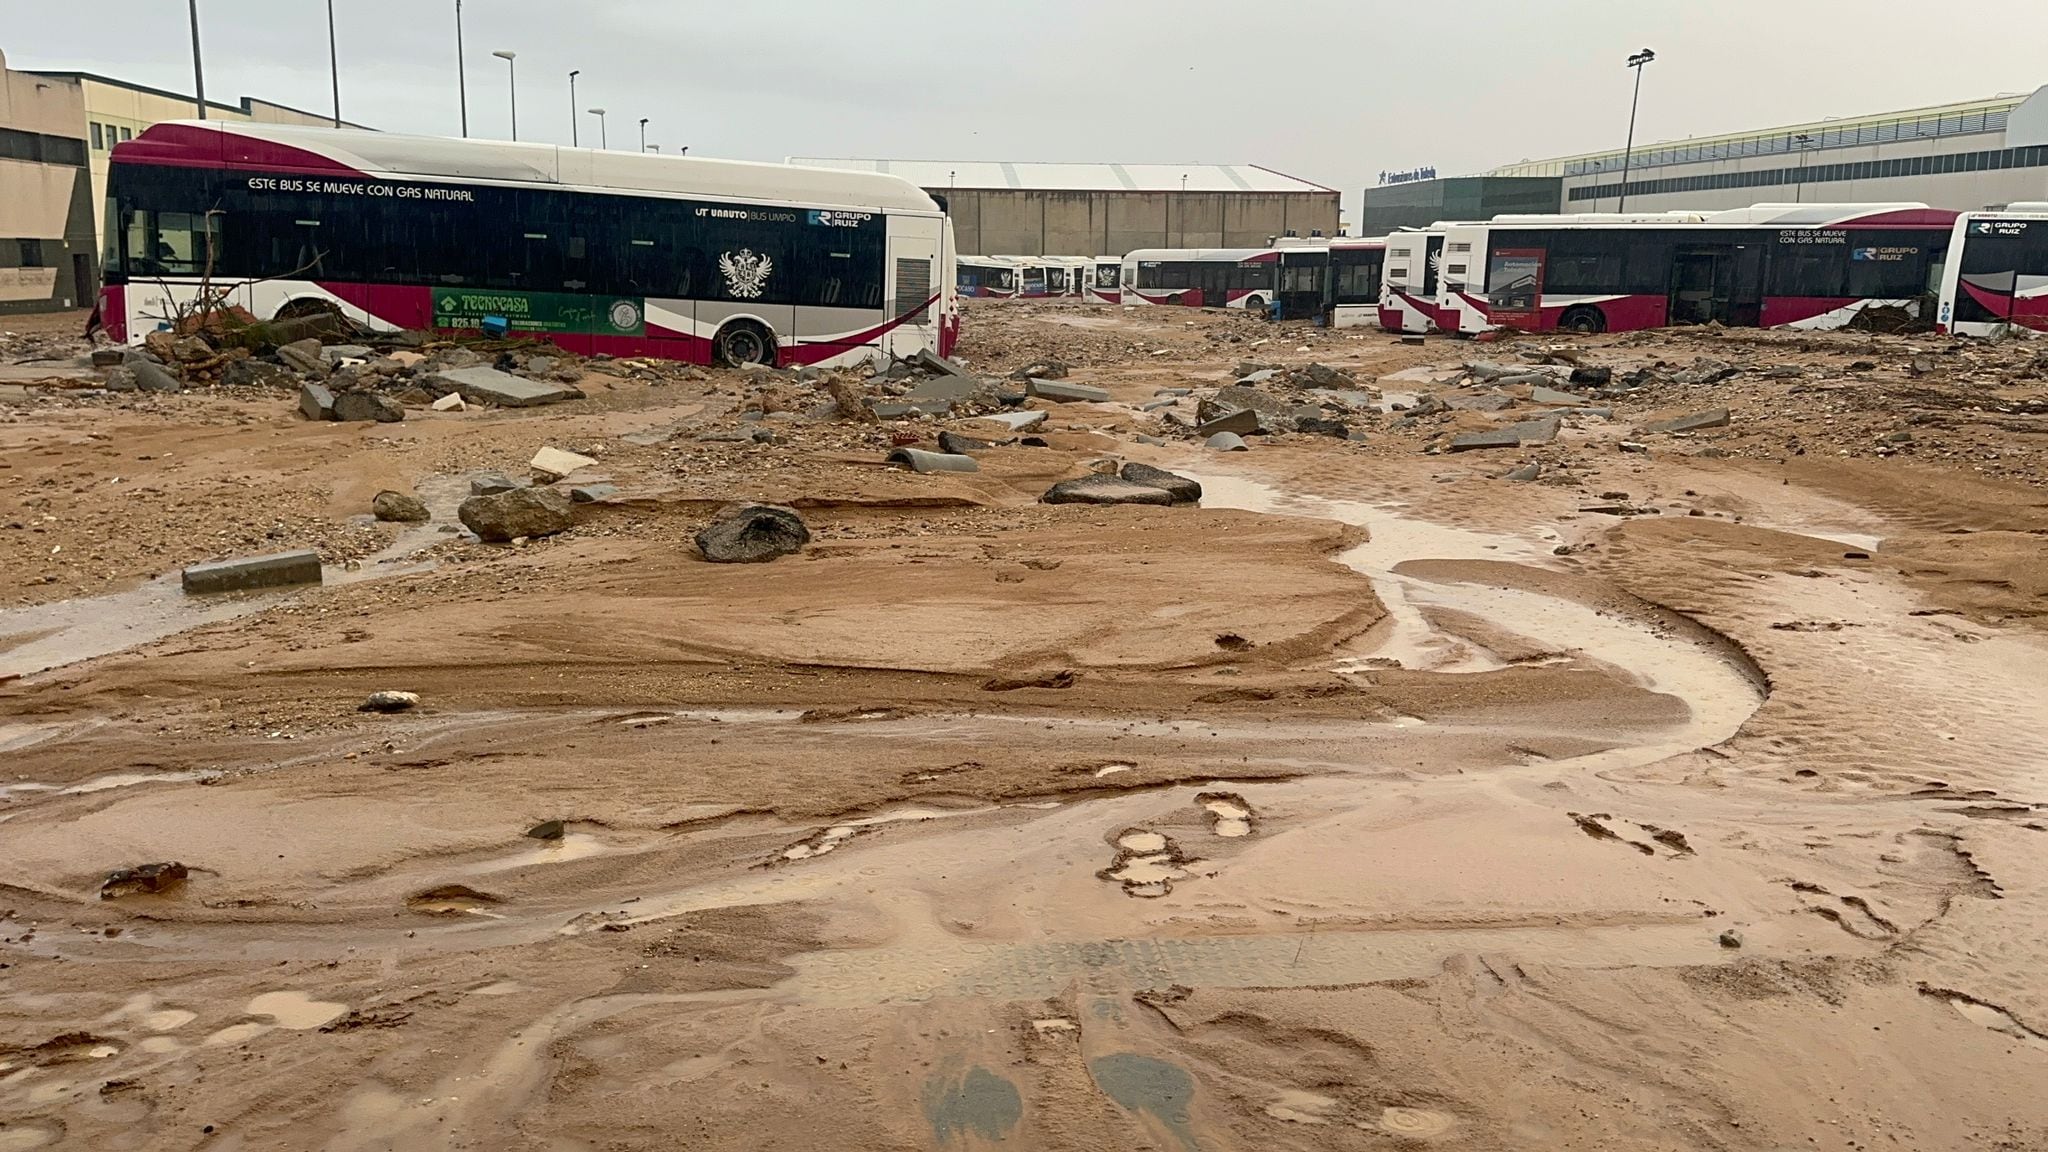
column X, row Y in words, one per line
column 48, row 251
column 1027, row 209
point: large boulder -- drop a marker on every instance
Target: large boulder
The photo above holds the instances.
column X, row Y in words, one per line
column 753, row 534
column 1182, row 489
column 1104, row 489
column 399, row 507
column 521, row 512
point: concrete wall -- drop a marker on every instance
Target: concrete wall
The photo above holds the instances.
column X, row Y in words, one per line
column 48, row 253
column 1050, row 223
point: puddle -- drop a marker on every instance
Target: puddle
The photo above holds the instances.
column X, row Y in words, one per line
column 979, row 1103
column 160, row 1046
column 295, row 1010
column 572, row 846
column 1142, row 842
column 826, row 840
column 130, row 779
column 1233, row 815
column 69, row 631
column 1141, row 1085
column 1146, row 864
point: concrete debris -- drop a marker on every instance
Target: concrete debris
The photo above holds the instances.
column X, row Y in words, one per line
column 400, row 508
column 121, row 379
column 1592, row 377
column 1041, row 370
column 551, row 464
column 1242, row 422
column 933, row 362
column 338, row 353
column 957, row 444
column 918, row 460
column 452, row 402
column 1015, row 421
column 520, row 513
column 753, row 534
column 143, row 880
column 359, row 407
column 480, row 385
column 1414, row 340
column 1485, row 402
column 947, row 388
column 108, row 357
column 1491, row 438
column 1322, row 426
column 1060, row 393
column 1182, row 489
column 1633, row 446
column 491, row 483
column 1228, row 442
column 591, row 493
column 275, row 571
column 1542, row 430
column 251, row 373
column 151, row 377
column 303, row 357
column 1545, row 395
column 1103, row 489
column 389, row 702
column 1691, row 422
column 316, row 402
column 1525, row 473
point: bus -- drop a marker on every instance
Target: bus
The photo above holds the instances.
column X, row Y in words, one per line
column 986, row 277
column 1105, row 279
column 1408, row 291
column 1352, row 292
column 1037, row 278
column 1997, row 274
column 1809, row 266
column 613, row 252
column 1202, row 277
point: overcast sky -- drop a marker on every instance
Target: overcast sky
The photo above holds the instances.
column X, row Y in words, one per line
column 1334, row 91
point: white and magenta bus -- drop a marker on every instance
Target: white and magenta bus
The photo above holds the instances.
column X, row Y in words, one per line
column 1357, row 273
column 1202, row 277
column 1809, row 266
column 1105, row 280
column 615, row 252
column 1997, row 274
column 1413, row 266
column 986, row 277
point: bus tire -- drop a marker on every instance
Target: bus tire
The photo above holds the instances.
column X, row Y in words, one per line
column 1174, row 298
column 743, row 342
column 1254, row 303
column 1585, row 320
column 306, row 306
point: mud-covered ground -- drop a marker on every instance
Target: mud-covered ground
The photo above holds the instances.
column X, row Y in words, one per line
column 1620, row 789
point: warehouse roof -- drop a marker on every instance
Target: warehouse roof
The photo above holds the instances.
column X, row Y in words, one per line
column 1033, row 176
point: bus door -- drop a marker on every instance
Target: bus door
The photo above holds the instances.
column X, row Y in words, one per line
column 1304, row 277
column 1717, row 283
column 913, row 271
column 1514, row 288
column 1213, row 278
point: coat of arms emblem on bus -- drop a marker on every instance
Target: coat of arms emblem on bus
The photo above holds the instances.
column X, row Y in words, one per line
column 746, row 272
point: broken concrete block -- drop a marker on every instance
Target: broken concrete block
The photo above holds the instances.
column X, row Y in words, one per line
column 301, row 567
column 481, row 385
column 956, row 444
column 491, row 483
column 1242, row 422
column 928, row 359
column 1491, row 438
column 1692, row 422
column 303, row 356
column 1103, row 489
column 1539, row 431
column 894, row 409
column 357, row 407
column 1060, row 392
column 591, row 493
column 551, row 464
column 452, row 402
column 918, row 460
column 336, row 353
column 1015, row 421
column 1543, row 395
column 946, row 388
column 316, row 402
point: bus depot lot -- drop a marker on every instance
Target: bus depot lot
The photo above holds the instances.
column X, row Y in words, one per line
column 1380, row 801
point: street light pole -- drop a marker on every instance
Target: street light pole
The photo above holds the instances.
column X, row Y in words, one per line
column 1628, row 154
column 604, row 139
column 575, row 141
column 198, row 69
column 511, row 85
column 461, row 71
column 1803, row 141
column 643, row 133
column 333, row 63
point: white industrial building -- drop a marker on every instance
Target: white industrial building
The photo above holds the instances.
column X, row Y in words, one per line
column 1966, row 156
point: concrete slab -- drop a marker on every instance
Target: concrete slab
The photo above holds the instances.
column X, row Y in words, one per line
column 553, row 463
column 1491, row 438
column 945, row 388
column 316, row 402
column 1060, row 392
column 1242, row 422
column 932, row 361
column 1015, row 421
column 301, row 567
column 481, row 385
column 1543, row 395
column 1540, row 431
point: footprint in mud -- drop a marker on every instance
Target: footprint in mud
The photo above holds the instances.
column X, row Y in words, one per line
column 975, row 1103
column 1852, row 914
column 1146, row 864
column 453, row 900
column 1142, row 1085
column 1230, row 813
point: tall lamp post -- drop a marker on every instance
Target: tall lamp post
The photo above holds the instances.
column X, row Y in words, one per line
column 198, row 69
column 574, row 140
column 511, row 84
column 604, row 136
column 643, row 133
column 1636, row 62
column 1803, row 142
column 333, row 63
column 461, row 71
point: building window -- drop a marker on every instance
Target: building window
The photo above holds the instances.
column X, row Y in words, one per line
column 127, row 135
column 31, row 254
column 98, row 140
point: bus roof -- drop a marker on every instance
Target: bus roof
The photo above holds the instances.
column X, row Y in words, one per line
column 1885, row 215
column 1197, row 253
column 345, row 152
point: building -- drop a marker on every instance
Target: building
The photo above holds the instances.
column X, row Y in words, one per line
column 48, row 254
column 1029, row 209
column 1419, row 203
column 116, row 110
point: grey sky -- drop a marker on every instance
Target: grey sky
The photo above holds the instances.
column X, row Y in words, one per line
column 1329, row 90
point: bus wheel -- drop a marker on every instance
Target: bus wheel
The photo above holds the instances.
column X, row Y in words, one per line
column 1175, row 298
column 1254, row 304
column 1584, row 319
column 744, row 342
column 306, row 306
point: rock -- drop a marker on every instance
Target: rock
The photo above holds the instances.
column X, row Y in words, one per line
column 947, row 388
column 918, row 460
column 1273, row 415
column 752, row 534
column 1041, row 370
column 316, row 402
column 1900, row 437
column 1592, row 377
column 1692, row 422
column 1156, row 405
column 1862, row 366
column 1182, row 489
column 303, row 356
column 1731, row 939
column 1525, row 473
column 1173, row 391
column 958, row 445
column 1632, row 446
column 1489, row 402
column 358, row 407
column 1248, row 367
column 143, row 879
column 448, row 358
column 452, row 402
column 399, row 507
column 546, row 830
column 551, row 464
column 389, row 702
column 1492, row 438
column 109, row 357
column 481, row 385
column 591, row 493
column 300, row 567
column 1254, row 379
column 933, row 362
column 251, row 373
column 336, row 353
column 1324, row 376
column 528, row 512
column 1066, row 393
column 894, row 409
column 1321, row 426
column 1539, row 431
column 1228, row 442
column 1543, row 395
column 491, row 483
column 155, row 378
column 1243, row 422
column 122, row 379
column 541, row 365
column 1784, row 372
column 1101, row 489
